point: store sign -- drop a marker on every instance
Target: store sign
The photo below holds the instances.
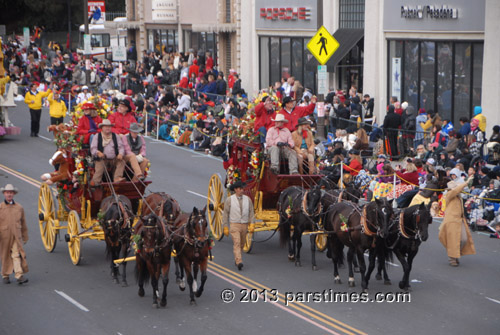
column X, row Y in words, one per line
column 322, row 80
column 432, row 12
column 97, row 12
column 164, row 10
column 286, row 14
column 434, row 16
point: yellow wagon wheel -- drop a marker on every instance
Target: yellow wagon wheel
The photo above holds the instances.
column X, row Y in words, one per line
column 248, row 243
column 321, row 240
column 46, row 217
column 74, row 242
column 215, row 205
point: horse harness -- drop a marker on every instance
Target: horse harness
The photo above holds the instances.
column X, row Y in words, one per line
column 403, row 229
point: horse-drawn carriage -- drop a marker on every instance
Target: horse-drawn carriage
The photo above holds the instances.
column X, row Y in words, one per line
column 78, row 204
column 262, row 186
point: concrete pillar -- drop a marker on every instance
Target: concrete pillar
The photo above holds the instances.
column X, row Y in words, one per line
column 491, row 65
column 375, row 57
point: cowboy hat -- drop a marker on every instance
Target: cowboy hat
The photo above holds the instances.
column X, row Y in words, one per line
column 136, row 128
column 237, row 184
column 303, row 121
column 88, row 105
column 280, row 118
column 85, row 87
column 106, row 122
column 9, row 187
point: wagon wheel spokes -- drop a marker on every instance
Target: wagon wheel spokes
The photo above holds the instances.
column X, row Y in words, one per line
column 74, row 242
column 46, row 218
column 215, row 206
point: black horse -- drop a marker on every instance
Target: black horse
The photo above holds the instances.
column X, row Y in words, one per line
column 357, row 228
column 300, row 209
column 411, row 229
column 192, row 245
column 153, row 254
column 116, row 218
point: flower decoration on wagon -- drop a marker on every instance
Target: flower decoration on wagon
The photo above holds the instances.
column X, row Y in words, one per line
column 102, row 106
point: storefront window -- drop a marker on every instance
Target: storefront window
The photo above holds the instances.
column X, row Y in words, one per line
column 309, row 76
column 297, row 61
column 264, row 62
column 449, row 75
column 427, row 75
column 477, row 76
column 410, row 69
column 444, row 73
column 463, row 52
column 275, row 60
column 285, row 58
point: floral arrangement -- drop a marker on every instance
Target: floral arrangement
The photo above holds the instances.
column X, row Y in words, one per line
column 102, row 106
column 233, row 175
column 255, row 163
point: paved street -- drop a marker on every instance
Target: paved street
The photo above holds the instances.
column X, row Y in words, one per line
column 65, row 299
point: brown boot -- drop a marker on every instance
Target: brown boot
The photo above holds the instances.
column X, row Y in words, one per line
column 453, row 261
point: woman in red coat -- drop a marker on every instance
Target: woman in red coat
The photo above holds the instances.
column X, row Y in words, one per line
column 355, row 163
column 409, row 176
column 88, row 124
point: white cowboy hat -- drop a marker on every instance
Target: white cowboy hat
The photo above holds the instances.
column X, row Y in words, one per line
column 8, row 187
column 280, row 118
column 106, row 122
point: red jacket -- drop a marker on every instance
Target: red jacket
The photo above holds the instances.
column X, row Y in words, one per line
column 230, row 81
column 194, row 69
column 296, row 114
column 209, row 64
column 354, row 167
column 84, row 127
column 122, row 122
column 263, row 118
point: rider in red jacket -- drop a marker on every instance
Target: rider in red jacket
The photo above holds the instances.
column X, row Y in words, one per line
column 122, row 118
column 294, row 113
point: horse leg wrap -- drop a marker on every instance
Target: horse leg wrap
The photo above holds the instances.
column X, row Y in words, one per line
column 195, row 286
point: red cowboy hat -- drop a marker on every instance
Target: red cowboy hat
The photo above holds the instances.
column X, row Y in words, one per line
column 88, row 105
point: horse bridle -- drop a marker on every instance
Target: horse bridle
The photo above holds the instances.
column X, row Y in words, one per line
column 109, row 224
column 196, row 241
column 403, row 229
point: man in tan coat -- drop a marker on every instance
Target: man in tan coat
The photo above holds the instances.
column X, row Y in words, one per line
column 304, row 145
column 239, row 215
column 454, row 232
column 13, row 234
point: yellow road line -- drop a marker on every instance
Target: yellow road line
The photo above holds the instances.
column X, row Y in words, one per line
column 20, row 174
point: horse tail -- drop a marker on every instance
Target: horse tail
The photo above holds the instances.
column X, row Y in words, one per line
column 284, row 227
column 389, row 255
column 141, row 269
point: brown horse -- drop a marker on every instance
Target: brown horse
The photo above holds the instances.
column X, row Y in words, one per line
column 116, row 221
column 155, row 243
column 153, row 255
column 357, row 228
column 192, row 244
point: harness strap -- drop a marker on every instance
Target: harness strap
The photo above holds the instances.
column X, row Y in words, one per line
column 402, row 225
column 364, row 224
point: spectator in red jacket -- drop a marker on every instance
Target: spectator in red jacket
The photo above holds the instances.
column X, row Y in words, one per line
column 194, row 68
column 355, row 163
column 88, row 124
column 264, row 115
column 209, row 61
column 294, row 113
column 231, row 78
column 122, row 118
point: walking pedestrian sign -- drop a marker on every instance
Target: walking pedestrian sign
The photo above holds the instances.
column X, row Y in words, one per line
column 323, row 45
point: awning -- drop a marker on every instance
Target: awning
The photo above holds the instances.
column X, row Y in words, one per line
column 347, row 39
column 122, row 24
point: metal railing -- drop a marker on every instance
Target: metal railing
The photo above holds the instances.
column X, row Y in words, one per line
column 110, row 16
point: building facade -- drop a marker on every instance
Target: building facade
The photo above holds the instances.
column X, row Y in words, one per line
column 440, row 56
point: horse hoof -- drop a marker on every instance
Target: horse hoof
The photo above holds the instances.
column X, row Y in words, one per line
column 338, row 281
column 141, row 292
column 352, row 284
column 387, row 282
column 378, row 277
column 116, row 281
column 124, row 284
column 192, row 303
column 163, row 303
column 155, row 305
column 356, row 269
column 198, row 294
column 315, row 268
column 401, row 285
column 365, row 290
column 297, row 264
column 291, row 258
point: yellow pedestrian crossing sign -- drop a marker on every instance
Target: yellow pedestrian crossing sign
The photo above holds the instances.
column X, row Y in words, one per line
column 323, row 45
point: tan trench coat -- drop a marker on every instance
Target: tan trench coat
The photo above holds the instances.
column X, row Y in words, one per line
column 13, row 229
column 450, row 230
